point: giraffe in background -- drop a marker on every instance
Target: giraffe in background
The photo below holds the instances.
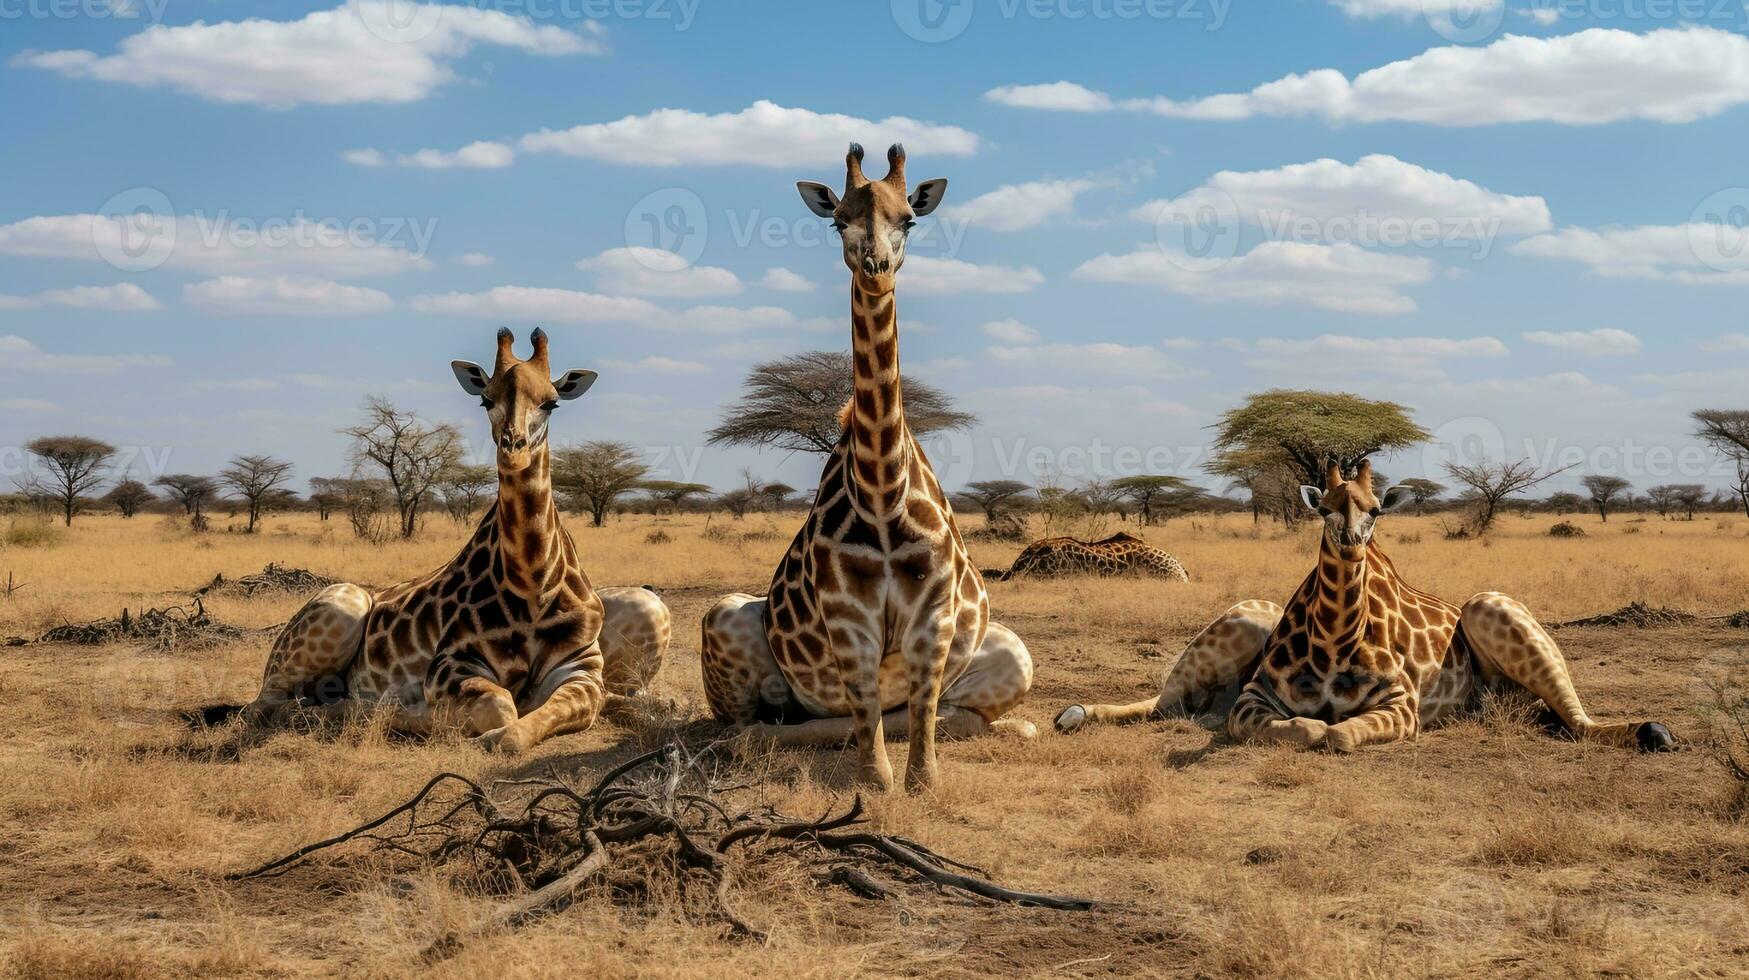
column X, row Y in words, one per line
column 1359, row 656
column 876, row 606
column 508, row 640
column 1120, row 554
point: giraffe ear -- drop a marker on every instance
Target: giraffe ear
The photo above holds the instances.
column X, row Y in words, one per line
column 1312, row 497
column 1396, row 498
column 473, row 379
column 819, row 198
column 574, row 384
column 928, row 196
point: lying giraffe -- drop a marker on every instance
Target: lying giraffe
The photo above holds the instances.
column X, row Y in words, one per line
column 1359, row 656
column 507, row 640
column 1120, row 554
column 876, row 605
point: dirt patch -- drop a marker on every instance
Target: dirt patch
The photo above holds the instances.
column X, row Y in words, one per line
column 274, row 579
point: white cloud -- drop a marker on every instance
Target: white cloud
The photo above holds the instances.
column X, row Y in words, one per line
column 1053, row 96
column 641, row 271
column 1408, row 9
column 1727, row 343
column 481, row 155
column 1341, row 278
column 1099, row 358
column 123, row 297
column 657, row 364
column 762, row 135
column 1671, row 75
column 923, row 274
column 19, row 354
column 213, row 247
column 365, row 51
column 1017, row 207
column 474, row 260
column 1010, row 332
column 1602, row 342
column 545, row 305
column 1546, row 16
column 1414, row 359
column 282, row 296
column 1378, row 195
column 1691, row 254
column 784, row 281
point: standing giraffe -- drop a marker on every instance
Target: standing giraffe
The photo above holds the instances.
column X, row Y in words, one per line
column 876, row 604
column 1359, row 656
column 507, row 640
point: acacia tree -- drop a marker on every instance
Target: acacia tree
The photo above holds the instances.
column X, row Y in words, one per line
column 1490, row 484
column 1662, row 498
column 674, row 493
column 776, row 494
column 793, row 404
column 194, row 493
column 1689, row 496
column 257, row 480
column 991, row 495
column 597, row 474
column 128, row 497
column 408, row 454
column 1604, row 490
column 1152, row 493
column 1423, row 490
column 463, row 486
column 1727, row 432
column 72, row 467
column 1306, row 431
column 326, row 494
column 1565, row 502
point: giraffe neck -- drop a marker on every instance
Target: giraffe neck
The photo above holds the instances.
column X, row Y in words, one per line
column 1338, row 613
column 879, row 443
column 529, row 539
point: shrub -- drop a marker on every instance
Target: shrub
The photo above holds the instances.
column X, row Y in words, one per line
column 657, row 537
column 26, row 532
column 1566, row 529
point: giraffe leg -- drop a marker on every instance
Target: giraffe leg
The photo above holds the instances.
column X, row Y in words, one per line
column 462, row 691
column 568, row 698
column 310, row 656
column 1511, row 645
column 930, row 649
column 858, row 657
column 636, row 630
column 1212, row 668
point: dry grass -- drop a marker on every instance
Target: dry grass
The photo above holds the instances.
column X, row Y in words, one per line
column 1484, row 848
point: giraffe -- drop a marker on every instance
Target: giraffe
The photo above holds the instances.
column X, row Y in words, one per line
column 876, row 605
column 1361, row 657
column 1120, row 554
column 507, row 640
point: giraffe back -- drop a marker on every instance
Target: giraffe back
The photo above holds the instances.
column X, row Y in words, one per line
column 1120, row 554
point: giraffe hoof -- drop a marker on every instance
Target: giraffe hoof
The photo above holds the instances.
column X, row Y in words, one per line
column 1071, row 719
column 501, row 741
column 1653, row 737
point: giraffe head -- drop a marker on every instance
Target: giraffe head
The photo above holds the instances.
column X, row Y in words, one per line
column 519, row 396
column 874, row 216
column 1350, row 508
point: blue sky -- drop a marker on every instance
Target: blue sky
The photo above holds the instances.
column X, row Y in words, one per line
column 1524, row 226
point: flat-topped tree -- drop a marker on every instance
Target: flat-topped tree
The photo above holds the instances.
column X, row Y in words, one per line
column 792, row 404
column 1308, row 430
column 599, row 473
column 128, row 496
column 1152, row 494
column 256, row 480
column 674, row 493
column 70, row 468
column 1423, row 491
column 1604, row 490
column 992, row 495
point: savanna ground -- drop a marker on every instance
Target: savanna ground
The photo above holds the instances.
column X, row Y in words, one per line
column 1484, row 848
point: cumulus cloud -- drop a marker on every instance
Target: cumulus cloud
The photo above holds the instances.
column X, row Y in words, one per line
column 1602, row 342
column 784, row 281
column 1017, row 207
column 282, row 296
column 547, row 305
column 475, row 260
column 640, row 271
column 1378, row 196
column 1341, row 278
column 1098, row 358
column 123, row 297
column 1727, row 343
column 482, row 155
column 926, row 275
column 214, row 247
column 657, row 364
column 1696, row 253
column 1010, row 332
column 366, row 51
column 1053, row 97
column 1408, row 9
column 22, row 356
column 762, row 135
column 1418, row 359
column 1670, row 75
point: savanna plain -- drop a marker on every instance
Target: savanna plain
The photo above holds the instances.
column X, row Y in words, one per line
column 1484, row 848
